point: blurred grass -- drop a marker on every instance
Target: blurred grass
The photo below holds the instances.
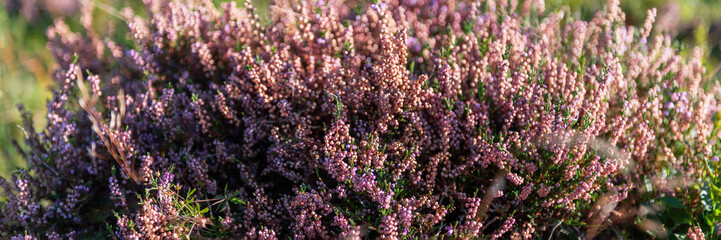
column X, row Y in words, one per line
column 26, row 65
column 25, row 70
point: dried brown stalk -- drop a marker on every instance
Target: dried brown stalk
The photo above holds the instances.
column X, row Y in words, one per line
column 87, row 103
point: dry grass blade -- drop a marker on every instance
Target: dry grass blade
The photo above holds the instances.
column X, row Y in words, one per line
column 87, row 103
column 499, row 182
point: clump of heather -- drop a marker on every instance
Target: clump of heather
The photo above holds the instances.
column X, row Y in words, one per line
column 350, row 119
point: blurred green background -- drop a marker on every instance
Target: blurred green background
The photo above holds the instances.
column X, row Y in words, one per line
column 26, row 65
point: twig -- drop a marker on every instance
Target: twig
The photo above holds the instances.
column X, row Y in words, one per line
column 554, row 230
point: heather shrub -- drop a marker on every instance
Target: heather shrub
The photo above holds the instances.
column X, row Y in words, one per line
column 395, row 119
